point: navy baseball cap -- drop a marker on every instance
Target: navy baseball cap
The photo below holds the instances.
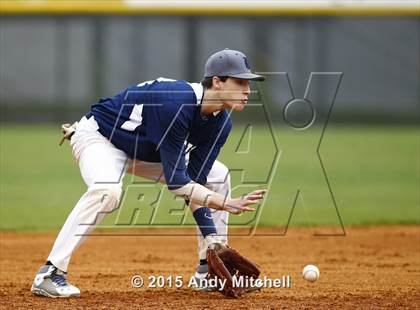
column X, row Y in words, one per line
column 230, row 63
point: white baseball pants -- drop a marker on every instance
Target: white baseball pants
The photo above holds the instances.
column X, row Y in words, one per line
column 103, row 167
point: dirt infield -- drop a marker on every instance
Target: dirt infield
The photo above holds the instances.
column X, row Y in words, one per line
column 371, row 267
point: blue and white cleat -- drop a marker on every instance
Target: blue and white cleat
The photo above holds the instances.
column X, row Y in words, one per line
column 200, row 274
column 52, row 282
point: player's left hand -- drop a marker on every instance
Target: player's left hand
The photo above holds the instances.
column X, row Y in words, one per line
column 226, row 263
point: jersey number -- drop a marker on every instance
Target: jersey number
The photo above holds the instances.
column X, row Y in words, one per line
column 135, row 118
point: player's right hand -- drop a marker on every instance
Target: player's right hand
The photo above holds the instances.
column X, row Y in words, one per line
column 239, row 205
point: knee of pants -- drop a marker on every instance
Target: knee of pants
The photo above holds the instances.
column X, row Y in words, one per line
column 219, row 179
column 108, row 194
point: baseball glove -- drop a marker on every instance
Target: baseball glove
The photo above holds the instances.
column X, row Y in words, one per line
column 228, row 264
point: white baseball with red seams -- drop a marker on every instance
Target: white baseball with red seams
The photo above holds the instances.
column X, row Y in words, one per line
column 310, row 273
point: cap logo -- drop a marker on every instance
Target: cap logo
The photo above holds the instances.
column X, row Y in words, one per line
column 247, row 64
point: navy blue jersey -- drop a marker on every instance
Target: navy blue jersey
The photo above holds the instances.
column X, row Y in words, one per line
column 160, row 121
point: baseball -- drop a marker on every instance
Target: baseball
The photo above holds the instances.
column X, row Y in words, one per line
column 310, row 273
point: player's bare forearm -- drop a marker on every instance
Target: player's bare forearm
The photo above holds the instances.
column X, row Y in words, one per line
column 200, row 195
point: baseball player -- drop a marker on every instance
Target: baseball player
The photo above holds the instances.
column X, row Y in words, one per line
column 166, row 130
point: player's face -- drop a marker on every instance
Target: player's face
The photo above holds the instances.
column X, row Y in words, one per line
column 234, row 93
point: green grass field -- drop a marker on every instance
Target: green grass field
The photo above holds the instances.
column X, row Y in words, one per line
column 373, row 173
